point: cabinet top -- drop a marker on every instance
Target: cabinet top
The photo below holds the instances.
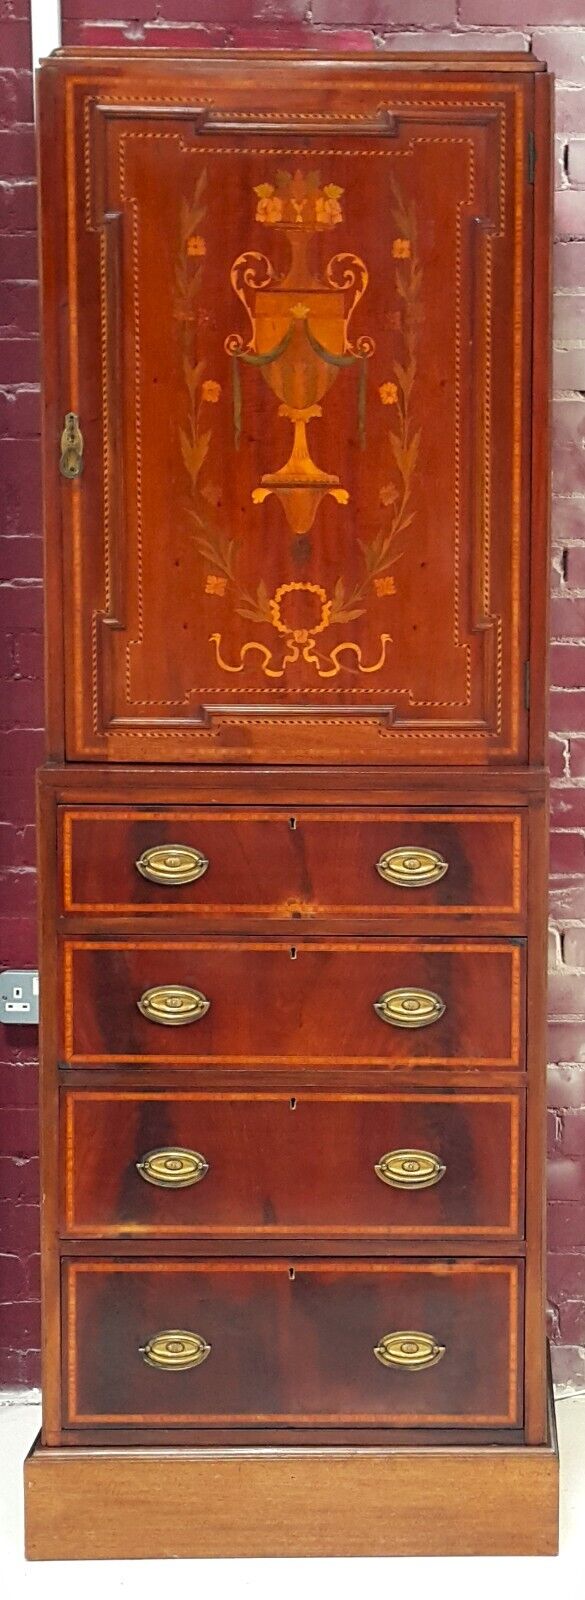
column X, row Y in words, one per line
column 432, row 60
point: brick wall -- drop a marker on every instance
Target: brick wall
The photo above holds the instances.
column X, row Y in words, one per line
column 556, row 29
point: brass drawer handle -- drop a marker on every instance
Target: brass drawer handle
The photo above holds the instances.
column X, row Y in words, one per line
column 174, row 1350
column 173, row 1005
column 172, row 1169
column 410, row 868
column 410, row 1169
column 171, row 863
column 412, row 1352
column 409, row 1008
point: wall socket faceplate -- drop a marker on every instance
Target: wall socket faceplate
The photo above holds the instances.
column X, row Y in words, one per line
column 19, row 996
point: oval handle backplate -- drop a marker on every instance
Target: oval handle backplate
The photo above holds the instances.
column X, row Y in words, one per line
column 172, row 864
column 409, row 1008
column 412, row 1352
column 174, row 1350
column 410, row 868
column 172, row 1004
column 410, row 1169
column 71, row 457
column 172, row 1168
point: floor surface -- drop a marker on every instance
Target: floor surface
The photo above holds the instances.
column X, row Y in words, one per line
column 282, row 1580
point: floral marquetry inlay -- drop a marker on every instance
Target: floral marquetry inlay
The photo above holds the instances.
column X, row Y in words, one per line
column 303, row 515
column 299, row 342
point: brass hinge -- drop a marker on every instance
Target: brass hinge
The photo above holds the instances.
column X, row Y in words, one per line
column 71, row 459
column 527, row 685
column 531, row 157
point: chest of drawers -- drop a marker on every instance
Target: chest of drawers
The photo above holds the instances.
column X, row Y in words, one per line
column 292, row 823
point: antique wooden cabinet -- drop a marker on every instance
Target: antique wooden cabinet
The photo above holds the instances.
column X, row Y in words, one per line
column 293, row 817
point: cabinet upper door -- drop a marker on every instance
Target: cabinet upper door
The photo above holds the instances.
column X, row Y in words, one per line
column 290, row 304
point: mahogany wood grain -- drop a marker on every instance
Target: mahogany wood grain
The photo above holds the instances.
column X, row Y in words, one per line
column 294, row 681
column 309, row 1003
column 306, row 639
column 306, row 864
column 293, row 1343
column 451, row 1500
column 281, row 1165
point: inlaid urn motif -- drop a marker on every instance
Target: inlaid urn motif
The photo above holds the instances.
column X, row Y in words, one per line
column 299, row 340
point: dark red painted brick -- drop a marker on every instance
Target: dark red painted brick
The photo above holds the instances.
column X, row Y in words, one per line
column 569, row 264
column 17, row 846
column 567, row 711
column 574, row 947
column 557, row 753
column 18, row 1080
column 567, row 619
column 572, row 1322
column 12, row 1280
column 19, row 1228
column 19, row 412
column 385, row 13
column 567, row 899
column 563, row 49
column 19, row 360
column 568, row 520
column 19, row 1179
column 203, row 36
column 20, row 1323
column 16, row 96
column 566, row 1225
column 17, row 152
column 19, row 254
column 28, row 654
column 19, row 1133
column 544, row 12
column 566, row 994
column 552, row 1134
column 14, row 43
column 567, row 852
column 567, row 805
column 21, row 704
column 21, row 606
column 566, row 1178
column 577, row 758
column 18, row 893
column 573, row 1134
column 21, row 558
column 19, row 307
column 185, row 10
column 575, row 567
column 568, row 471
column 21, row 750
column 18, row 206
column 566, row 1268
column 567, row 666
column 566, row 1084
column 18, row 948
column 17, row 799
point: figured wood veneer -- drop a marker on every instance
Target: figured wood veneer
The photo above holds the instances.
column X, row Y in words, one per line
column 343, row 653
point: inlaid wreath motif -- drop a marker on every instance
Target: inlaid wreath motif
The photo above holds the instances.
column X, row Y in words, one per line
column 301, row 612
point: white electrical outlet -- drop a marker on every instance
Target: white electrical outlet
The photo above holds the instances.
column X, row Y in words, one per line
column 19, row 996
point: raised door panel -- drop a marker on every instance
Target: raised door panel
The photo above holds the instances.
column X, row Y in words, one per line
column 298, row 342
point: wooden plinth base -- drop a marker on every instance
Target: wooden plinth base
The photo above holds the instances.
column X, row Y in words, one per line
column 92, row 1504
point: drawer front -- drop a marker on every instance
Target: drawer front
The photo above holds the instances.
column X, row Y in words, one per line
column 274, row 1004
column 356, row 863
column 275, row 1342
column 269, row 1165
